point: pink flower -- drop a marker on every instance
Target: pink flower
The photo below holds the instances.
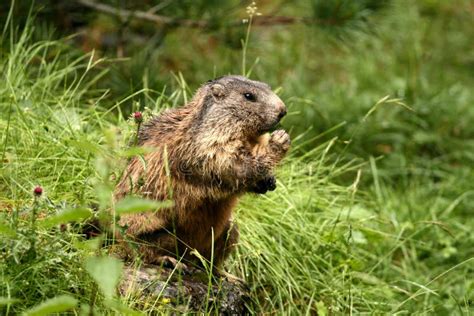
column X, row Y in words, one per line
column 138, row 117
column 38, row 191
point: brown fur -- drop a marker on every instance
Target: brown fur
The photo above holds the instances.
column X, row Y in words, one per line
column 207, row 153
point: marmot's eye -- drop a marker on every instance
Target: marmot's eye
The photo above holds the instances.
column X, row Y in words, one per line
column 250, row 96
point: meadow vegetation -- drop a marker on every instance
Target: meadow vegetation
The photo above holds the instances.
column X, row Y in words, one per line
column 373, row 210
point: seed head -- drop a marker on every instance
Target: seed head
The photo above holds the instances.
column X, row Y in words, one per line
column 138, row 117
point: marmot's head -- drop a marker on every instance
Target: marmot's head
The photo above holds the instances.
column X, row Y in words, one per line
column 235, row 103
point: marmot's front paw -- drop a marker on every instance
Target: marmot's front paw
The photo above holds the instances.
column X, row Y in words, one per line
column 281, row 140
column 264, row 185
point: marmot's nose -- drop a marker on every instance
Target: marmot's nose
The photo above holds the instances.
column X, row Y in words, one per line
column 282, row 113
column 281, row 108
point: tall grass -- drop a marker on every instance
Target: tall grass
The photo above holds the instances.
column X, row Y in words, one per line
column 42, row 105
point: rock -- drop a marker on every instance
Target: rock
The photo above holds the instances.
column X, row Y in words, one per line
column 186, row 289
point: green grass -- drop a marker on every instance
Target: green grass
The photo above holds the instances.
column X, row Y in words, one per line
column 371, row 216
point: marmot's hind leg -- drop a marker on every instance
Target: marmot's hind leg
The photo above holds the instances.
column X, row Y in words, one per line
column 226, row 242
column 156, row 247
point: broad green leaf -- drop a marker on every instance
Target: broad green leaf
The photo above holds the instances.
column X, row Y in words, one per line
column 7, row 231
column 56, row 304
column 8, row 301
column 321, row 308
column 358, row 237
column 92, row 244
column 106, row 271
column 136, row 205
column 86, row 310
column 67, row 215
column 121, row 308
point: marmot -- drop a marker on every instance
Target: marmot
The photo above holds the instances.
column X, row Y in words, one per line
column 207, row 154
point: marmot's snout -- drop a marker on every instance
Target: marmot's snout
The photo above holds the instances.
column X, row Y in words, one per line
column 279, row 110
column 282, row 110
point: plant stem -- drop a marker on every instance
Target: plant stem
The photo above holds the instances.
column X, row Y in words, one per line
column 136, row 134
column 245, row 44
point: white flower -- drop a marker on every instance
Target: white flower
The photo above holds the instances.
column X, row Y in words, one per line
column 252, row 9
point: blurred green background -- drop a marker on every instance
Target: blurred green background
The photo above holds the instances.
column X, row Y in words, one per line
column 333, row 60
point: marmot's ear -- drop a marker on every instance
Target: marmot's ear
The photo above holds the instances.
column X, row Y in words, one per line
column 218, row 91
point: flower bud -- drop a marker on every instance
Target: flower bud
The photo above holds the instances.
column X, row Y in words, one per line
column 38, row 191
column 138, row 117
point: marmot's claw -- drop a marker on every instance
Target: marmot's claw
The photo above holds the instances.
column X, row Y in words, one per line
column 264, row 185
column 271, row 183
column 281, row 139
